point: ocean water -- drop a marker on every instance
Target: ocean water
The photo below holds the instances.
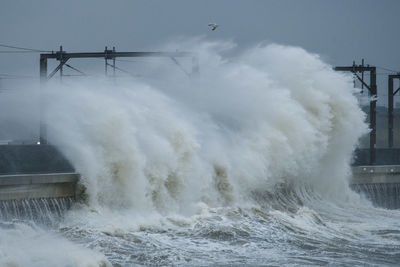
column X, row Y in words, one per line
column 246, row 163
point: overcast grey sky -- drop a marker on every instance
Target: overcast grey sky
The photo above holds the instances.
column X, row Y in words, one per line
column 339, row 30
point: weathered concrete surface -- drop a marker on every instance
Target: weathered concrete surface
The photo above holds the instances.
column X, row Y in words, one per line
column 27, row 186
column 382, row 174
column 380, row 184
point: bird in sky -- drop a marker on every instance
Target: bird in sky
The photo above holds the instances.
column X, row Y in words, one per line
column 213, row 26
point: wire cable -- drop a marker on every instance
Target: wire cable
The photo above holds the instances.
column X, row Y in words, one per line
column 23, row 48
column 16, row 52
column 122, row 70
column 387, row 69
column 126, row 60
column 75, row 69
column 13, row 76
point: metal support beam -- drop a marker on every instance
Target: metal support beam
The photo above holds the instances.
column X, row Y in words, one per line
column 391, row 95
column 355, row 68
column 361, row 79
column 180, row 66
column 111, row 54
column 113, row 62
column 75, row 69
column 372, row 88
column 43, row 80
column 61, row 62
column 107, row 56
column 58, row 68
column 372, row 115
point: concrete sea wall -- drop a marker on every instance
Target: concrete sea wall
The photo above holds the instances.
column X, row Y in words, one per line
column 35, row 171
column 28, row 186
column 41, row 171
column 380, row 184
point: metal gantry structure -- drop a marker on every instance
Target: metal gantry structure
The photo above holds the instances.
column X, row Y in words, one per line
column 391, row 95
column 63, row 57
column 372, row 89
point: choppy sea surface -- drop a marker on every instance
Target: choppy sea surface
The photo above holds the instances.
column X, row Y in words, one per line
column 289, row 232
column 315, row 233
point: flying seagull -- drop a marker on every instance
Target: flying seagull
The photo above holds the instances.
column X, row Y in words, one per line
column 213, row 26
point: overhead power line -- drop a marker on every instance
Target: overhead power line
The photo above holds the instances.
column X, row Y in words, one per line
column 126, row 60
column 16, row 52
column 124, row 71
column 22, row 48
column 13, row 76
column 75, row 69
column 387, row 69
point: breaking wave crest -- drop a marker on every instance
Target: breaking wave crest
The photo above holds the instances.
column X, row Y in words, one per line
column 274, row 126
